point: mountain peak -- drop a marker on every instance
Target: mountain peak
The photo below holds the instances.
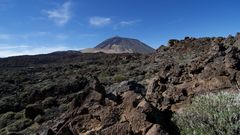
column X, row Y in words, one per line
column 119, row 44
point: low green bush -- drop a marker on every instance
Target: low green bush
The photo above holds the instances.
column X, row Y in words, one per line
column 6, row 119
column 19, row 125
column 119, row 78
column 103, row 76
column 211, row 114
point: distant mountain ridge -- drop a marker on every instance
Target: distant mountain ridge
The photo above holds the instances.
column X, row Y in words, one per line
column 121, row 45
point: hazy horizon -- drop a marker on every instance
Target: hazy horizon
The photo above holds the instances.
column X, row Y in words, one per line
column 36, row 26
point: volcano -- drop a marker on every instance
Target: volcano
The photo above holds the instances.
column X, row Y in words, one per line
column 121, row 45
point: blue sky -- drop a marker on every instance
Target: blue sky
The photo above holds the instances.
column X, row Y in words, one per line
column 42, row 26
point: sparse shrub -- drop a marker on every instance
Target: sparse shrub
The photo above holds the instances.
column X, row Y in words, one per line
column 39, row 119
column 9, row 118
column 49, row 102
column 6, row 119
column 3, row 131
column 103, row 77
column 19, row 115
column 119, row 78
column 19, row 125
column 63, row 107
column 125, row 61
column 184, row 58
column 211, row 114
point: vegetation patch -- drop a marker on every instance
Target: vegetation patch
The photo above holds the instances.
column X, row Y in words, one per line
column 119, row 78
column 211, row 114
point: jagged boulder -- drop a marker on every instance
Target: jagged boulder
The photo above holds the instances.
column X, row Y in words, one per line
column 119, row 88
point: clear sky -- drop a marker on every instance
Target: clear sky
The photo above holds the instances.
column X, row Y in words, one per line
column 42, row 26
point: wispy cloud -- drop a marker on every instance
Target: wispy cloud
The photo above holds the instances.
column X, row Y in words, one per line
column 99, row 21
column 126, row 23
column 61, row 15
column 31, row 35
column 13, row 50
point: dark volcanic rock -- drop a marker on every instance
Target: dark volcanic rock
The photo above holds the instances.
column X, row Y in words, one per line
column 124, row 86
column 32, row 111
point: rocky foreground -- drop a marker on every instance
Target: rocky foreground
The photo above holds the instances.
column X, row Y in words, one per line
column 70, row 93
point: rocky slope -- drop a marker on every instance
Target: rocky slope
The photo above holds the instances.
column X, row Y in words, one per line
column 113, row 93
column 121, row 45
